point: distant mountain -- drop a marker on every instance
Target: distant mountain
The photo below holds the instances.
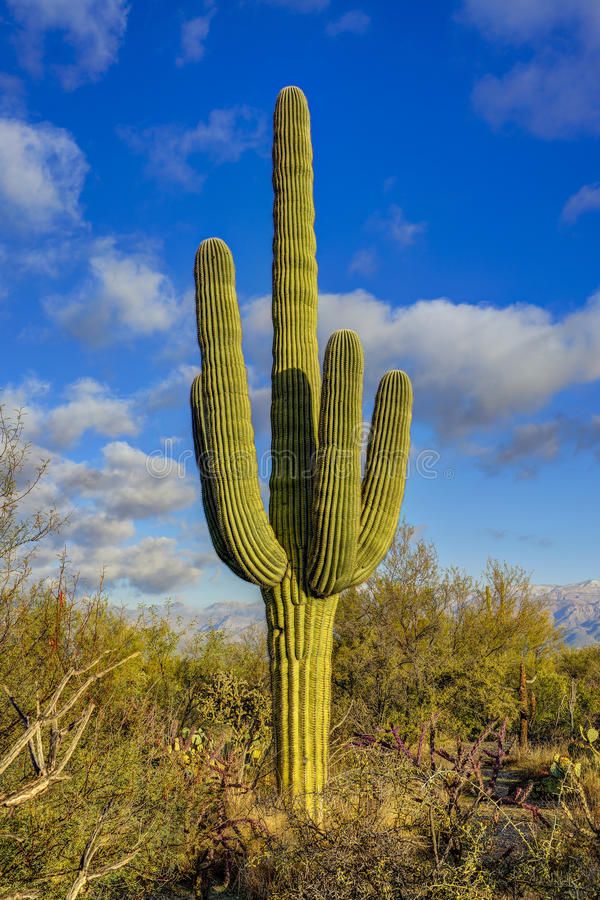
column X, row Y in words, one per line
column 233, row 616
column 575, row 607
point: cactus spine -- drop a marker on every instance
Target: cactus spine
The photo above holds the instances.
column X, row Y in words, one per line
column 326, row 530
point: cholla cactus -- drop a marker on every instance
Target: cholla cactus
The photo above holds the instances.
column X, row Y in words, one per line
column 326, row 529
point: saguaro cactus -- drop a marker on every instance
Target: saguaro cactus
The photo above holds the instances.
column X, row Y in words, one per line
column 527, row 706
column 326, row 529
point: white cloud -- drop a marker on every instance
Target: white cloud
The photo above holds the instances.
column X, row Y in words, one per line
column 124, row 295
column 355, row 21
column 394, row 225
column 472, row 366
column 224, row 137
column 156, row 565
column 122, row 511
column 116, row 494
column 552, row 99
column 193, row 36
column 152, row 565
column 586, row 199
column 530, row 20
column 42, row 171
column 130, row 485
column 96, row 529
column 103, row 504
column 88, row 406
column 556, row 93
column 94, row 30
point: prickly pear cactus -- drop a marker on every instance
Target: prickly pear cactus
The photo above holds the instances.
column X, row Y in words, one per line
column 327, row 528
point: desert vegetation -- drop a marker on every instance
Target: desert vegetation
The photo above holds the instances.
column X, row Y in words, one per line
column 136, row 756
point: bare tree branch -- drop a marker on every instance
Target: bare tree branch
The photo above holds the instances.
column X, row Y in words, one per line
column 50, row 771
column 84, row 876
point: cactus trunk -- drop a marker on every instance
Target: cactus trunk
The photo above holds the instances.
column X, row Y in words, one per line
column 300, row 638
column 523, row 709
column 327, row 528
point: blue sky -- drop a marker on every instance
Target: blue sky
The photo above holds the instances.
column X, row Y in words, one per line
column 457, row 186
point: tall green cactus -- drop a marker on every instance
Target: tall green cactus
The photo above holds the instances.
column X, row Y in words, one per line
column 326, row 530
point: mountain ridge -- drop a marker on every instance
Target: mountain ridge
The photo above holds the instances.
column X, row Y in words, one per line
column 575, row 608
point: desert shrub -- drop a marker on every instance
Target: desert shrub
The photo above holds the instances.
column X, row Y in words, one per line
column 170, row 783
column 417, row 640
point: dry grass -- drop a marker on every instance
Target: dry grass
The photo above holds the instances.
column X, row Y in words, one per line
column 536, row 760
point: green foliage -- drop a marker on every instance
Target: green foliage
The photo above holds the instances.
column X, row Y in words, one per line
column 417, row 640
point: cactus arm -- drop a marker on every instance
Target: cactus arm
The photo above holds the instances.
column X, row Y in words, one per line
column 337, row 489
column 385, row 471
column 223, row 426
column 295, row 374
column 203, row 463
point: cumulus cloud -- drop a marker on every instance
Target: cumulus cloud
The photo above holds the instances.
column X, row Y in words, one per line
column 586, row 199
column 96, row 529
column 194, row 33
column 124, row 295
column 102, row 504
column 355, row 21
column 131, row 485
column 472, row 366
column 88, row 405
column 93, row 29
column 157, row 566
column 109, row 505
column 42, row 172
column 395, row 226
column 224, row 137
column 128, row 484
column 556, row 92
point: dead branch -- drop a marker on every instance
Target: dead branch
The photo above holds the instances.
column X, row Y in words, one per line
column 50, row 770
column 94, row 844
column 28, row 895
